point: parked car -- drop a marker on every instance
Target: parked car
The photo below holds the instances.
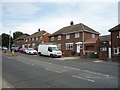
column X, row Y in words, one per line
column 31, row 51
column 4, row 47
column 14, row 48
column 22, row 50
column 49, row 50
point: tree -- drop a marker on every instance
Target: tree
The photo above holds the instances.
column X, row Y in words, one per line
column 5, row 40
column 17, row 34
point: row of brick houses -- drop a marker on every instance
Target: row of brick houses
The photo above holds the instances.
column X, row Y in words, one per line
column 76, row 39
column 32, row 40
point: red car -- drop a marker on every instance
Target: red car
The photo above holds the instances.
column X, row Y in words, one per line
column 22, row 50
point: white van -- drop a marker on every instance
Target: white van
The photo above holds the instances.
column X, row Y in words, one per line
column 49, row 50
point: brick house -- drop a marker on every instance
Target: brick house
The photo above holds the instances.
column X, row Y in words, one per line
column 70, row 39
column 19, row 41
column 115, row 42
column 105, row 47
column 35, row 39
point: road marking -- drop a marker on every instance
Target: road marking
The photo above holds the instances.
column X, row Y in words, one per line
column 52, row 70
column 72, row 68
column 107, row 76
column 90, row 80
column 98, row 61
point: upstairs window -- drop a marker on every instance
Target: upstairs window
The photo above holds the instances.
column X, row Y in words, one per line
column 59, row 37
column 36, row 38
column 52, row 38
column 77, row 35
column 32, row 39
column 67, row 36
column 93, row 35
column 41, row 37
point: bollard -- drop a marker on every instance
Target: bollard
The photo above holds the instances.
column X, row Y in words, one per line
column 13, row 52
column 4, row 50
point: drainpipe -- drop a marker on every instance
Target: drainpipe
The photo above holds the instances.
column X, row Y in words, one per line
column 83, row 44
column 83, row 39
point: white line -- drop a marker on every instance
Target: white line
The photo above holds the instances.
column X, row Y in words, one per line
column 52, row 70
column 90, row 80
column 73, row 68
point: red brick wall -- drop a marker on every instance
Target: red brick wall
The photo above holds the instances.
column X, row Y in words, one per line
column 115, row 42
column 71, row 40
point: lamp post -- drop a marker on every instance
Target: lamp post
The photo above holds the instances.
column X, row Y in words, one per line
column 9, row 39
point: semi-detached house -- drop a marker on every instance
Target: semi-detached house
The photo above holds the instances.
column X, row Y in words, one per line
column 35, row 39
column 72, row 39
column 115, row 42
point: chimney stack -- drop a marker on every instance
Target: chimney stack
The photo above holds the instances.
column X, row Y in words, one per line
column 71, row 23
column 39, row 30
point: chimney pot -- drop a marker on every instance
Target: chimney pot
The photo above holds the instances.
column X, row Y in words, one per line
column 71, row 23
column 39, row 30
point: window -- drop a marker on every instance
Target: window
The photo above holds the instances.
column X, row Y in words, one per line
column 36, row 38
column 52, row 38
column 59, row 37
column 41, row 37
column 67, row 36
column 103, row 49
column 93, row 35
column 59, row 46
column 69, row 46
column 33, row 45
column 32, row 39
column 26, row 40
column 117, row 50
column 77, row 35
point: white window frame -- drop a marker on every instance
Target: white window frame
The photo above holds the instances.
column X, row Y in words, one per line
column 41, row 37
column 59, row 46
column 59, row 37
column 117, row 48
column 93, row 35
column 32, row 39
column 77, row 35
column 36, row 38
column 67, row 36
column 103, row 49
column 69, row 46
column 52, row 38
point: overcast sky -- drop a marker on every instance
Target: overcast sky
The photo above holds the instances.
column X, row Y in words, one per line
column 27, row 17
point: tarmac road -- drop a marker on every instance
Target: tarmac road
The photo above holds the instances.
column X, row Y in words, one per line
column 31, row 71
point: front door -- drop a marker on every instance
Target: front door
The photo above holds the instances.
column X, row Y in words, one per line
column 109, row 53
column 78, row 48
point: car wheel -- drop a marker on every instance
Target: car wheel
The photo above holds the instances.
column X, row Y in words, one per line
column 51, row 55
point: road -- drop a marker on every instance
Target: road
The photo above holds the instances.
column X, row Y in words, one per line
column 31, row 71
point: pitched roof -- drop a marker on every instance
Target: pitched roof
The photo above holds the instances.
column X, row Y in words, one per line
column 91, row 40
column 116, row 28
column 21, row 37
column 74, row 28
column 37, row 34
column 105, row 38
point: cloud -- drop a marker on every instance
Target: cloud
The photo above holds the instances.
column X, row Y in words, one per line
column 19, row 10
column 53, row 16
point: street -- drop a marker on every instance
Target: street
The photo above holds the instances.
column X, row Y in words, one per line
column 32, row 71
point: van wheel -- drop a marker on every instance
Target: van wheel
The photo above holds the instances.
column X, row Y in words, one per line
column 51, row 55
column 40, row 54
